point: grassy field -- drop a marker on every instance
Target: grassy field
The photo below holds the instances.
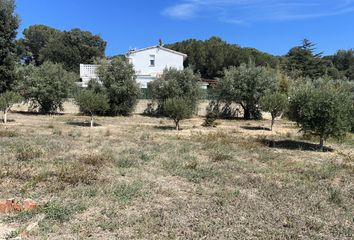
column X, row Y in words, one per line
column 137, row 178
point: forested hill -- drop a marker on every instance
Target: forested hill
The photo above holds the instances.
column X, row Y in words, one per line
column 211, row 56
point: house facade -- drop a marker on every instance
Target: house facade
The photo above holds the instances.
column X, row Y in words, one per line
column 149, row 63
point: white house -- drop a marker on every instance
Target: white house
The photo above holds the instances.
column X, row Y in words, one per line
column 149, row 63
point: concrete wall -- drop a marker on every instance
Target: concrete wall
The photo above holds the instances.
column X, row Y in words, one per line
column 71, row 108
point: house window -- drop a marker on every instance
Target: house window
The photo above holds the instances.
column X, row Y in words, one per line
column 152, row 60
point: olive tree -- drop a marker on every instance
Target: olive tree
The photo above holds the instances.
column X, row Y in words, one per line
column 177, row 109
column 321, row 108
column 275, row 103
column 7, row 100
column 119, row 83
column 175, row 83
column 45, row 87
column 245, row 85
column 92, row 103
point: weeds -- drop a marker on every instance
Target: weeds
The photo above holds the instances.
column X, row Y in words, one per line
column 77, row 173
column 57, row 212
column 126, row 192
column 8, row 134
column 96, row 160
column 27, row 152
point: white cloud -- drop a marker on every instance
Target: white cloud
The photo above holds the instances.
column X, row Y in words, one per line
column 247, row 11
column 184, row 10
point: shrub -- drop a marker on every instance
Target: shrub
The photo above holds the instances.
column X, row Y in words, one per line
column 275, row 103
column 46, row 87
column 322, row 109
column 177, row 109
column 7, row 100
column 211, row 116
column 176, row 84
column 119, row 84
column 92, row 103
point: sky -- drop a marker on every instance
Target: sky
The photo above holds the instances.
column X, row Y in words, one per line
column 272, row 26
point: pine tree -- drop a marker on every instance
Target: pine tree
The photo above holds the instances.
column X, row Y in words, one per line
column 9, row 23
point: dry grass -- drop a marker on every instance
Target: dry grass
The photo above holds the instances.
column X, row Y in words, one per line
column 134, row 178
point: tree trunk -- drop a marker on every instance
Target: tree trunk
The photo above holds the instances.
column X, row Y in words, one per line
column 177, row 125
column 91, row 125
column 321, row 143
column 271, row 126
column 5, row 115
column 247, row 113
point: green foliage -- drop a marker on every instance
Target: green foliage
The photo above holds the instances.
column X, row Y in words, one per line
column 69, row 48
column 27, row 152
column 344, row 61
column 8, row 99
column 321, row 108
column 211, row 116
column 126, row 192
column 245, row 85
column 92, row 103
column 119, row 83
column 54, row 211
column 45, row 87
column 176, row 84
column 35, row 39
column 303, row 61
column 177, row 109
column 9, row 23
column 274, row 103
column 210, row 57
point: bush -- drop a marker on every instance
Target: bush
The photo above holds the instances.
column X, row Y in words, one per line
column 92, row 103
column 211, row 116
column 7, row 100
column 119, row 84
column 46, row 87
column 321, row 108
column 275, row 103
column 177, row 109
column 176, row 84
column 245, row 85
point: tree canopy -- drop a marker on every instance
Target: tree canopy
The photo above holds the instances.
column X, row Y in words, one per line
column 321, row 108
column 175, row 83
column 46, row 87
column 119, row 83
column 211, row 56
column 35, row 39
column 92, row 103
column 9, row 23
column 245, row 85
column 69, row 48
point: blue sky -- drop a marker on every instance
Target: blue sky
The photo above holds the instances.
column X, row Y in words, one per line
column 272, row 26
